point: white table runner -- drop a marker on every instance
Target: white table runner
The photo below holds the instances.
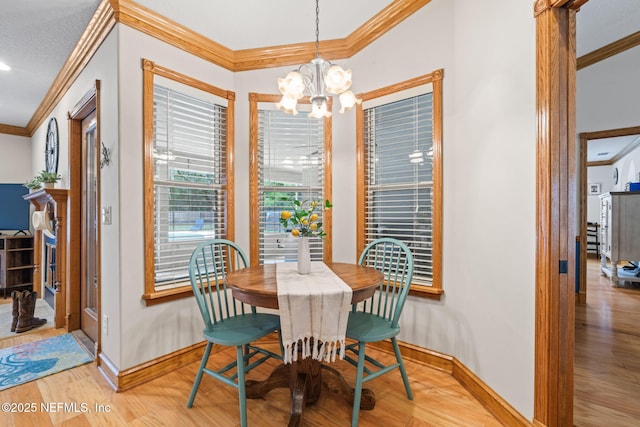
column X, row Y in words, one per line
column 314, row 305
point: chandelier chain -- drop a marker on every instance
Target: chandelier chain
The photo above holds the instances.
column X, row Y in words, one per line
column 317, row 28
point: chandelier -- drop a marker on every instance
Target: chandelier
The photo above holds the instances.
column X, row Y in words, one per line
column 318, row 79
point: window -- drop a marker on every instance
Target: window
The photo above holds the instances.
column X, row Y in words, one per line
column 399, row 150
column 186, row 175
column 288, row 160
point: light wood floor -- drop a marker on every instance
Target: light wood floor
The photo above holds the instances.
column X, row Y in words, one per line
column 607, row 385
column 607, row 354
column 439, row 400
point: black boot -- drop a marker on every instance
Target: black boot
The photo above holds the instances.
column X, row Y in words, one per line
column 14, row 321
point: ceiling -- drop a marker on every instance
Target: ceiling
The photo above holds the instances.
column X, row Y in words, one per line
column 37, row 36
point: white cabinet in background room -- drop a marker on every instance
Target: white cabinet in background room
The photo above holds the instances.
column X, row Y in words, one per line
column 620, row 234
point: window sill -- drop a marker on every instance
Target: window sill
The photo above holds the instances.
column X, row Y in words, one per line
column 167, row 295
column 426, row 292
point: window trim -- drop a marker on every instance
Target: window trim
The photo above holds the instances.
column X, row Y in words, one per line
column 254, row 232
column 434, row 291
column 150, row 69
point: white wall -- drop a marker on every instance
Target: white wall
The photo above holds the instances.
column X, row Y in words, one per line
column 602, row 175
column 607, row 93
column 15, row 159
column 487, row 316
column 15, row 162
column 148, row 332
column 628, row 169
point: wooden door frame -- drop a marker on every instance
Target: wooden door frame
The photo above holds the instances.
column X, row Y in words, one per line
column 87, row 104
column 555, row 211
column 585, row 137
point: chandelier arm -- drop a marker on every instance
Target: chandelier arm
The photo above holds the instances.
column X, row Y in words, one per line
column 307, row 73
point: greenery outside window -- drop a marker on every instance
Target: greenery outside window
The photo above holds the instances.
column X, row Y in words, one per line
column 187, row 171
column 289, row 160
column 399, row 166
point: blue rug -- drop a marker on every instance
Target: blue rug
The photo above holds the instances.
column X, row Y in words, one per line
column 30, row 361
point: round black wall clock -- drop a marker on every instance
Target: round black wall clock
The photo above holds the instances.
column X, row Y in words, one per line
column 51, row 148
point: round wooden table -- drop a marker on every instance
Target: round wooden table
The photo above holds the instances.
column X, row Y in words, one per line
column 258, row 286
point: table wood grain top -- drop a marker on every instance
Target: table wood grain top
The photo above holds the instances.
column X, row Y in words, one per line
column 258, row 286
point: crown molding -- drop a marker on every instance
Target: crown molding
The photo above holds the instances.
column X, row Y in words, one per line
column 14, row 130
column 135, row 16
column 609, row 50
column 148, row 22
column 381, row 23
column 92, row 37
column 613, row 133
column 129, row 13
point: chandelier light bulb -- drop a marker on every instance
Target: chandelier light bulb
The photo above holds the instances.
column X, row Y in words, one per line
column 288, row 104
column 319, row 109
column 292, row 85
column 337, row 80
column 348, row 100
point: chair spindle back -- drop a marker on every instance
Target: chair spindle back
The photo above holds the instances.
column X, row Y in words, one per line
column 210, row 262
column 394, row 259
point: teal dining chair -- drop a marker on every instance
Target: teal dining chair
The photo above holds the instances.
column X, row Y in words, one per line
column 227, row 321
column 377, row 318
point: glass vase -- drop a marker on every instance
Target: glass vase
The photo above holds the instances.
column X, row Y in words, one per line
column 304, row 256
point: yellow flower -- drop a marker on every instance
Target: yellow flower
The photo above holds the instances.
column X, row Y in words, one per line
column 302, row 220
column 285, row 214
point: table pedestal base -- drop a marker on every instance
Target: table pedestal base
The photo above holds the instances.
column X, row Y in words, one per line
column 305, row 379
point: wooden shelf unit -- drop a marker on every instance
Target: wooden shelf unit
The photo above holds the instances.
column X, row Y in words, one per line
column 55, row 199
column 593, row 238
column 620, row 234
column 16, row 263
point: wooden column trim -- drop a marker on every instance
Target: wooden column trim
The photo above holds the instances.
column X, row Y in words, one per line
column 582, row 237
column 327, row 215
column 254, row 250
column 147, row 137
column 555, row 102
column 361, row 190
column 230, row 184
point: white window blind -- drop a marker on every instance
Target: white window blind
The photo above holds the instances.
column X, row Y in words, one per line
column 290, row 165
column 189, row 172
column 399, row 175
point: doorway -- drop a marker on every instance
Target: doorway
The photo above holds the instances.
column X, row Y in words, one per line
column 84, row 211
column 89, row 239
column 614, row 136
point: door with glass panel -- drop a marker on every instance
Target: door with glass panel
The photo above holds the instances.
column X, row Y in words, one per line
column 89, row 252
